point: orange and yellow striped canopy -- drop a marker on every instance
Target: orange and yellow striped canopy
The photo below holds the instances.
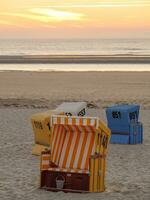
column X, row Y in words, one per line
column 73, row 141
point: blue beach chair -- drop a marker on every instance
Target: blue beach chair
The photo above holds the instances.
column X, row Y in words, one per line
column 123, row 121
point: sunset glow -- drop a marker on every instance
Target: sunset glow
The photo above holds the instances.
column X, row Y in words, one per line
column 71, row 18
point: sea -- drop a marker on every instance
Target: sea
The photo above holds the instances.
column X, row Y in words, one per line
column 14, row 47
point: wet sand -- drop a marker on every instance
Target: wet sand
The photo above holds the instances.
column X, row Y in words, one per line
column 87, row 59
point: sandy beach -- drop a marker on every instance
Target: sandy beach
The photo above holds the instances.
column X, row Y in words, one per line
column 48, row 89
column 25, row 93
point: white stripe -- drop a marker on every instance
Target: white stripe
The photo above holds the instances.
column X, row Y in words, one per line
column 64, row 150
column 77, row 121
column 71, row 149
column 54, row 149
column 84, row 122
column 86, row 150
column 80, row 171
column 54, row 120
column 92, row 122
column 62, row 120
column 78, row 150
column 69, row 120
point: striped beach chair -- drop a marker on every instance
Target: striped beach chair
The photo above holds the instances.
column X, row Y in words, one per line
column 78, row 152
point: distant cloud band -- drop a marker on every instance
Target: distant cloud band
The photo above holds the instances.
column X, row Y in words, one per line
column 103, row 5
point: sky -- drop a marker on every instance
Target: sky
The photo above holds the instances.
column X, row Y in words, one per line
column 74, row 19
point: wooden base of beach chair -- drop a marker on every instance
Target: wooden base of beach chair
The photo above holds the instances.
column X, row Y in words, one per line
column 74, row 182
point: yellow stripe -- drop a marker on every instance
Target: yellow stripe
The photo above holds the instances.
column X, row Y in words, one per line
column 54, row 138
column 63, row 152
column 67, row 149
column 82, row 151
column 96, row 175
column 58, row 147
column 99, row 174
column 66, row 120
column 58, row 120
column 45, row 158
column 71, row 149
column 55, row 142
column 75, row 147
column 64, row 136
column 81, row 121
column 73, row 121
column 102, row 175
column 91, row 174
column 89, row 151
column 88, row 122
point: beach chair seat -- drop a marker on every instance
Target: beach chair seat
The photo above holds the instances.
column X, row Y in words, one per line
column 68, row 170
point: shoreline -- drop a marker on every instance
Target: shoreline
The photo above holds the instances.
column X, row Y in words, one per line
column 75, row 59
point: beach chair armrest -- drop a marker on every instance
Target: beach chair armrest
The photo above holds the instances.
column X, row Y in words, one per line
column 97, row 155
column 97, row 172
column 45, row 160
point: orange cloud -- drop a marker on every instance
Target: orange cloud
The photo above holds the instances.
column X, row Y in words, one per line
column 102, row 4
column 45, row 15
